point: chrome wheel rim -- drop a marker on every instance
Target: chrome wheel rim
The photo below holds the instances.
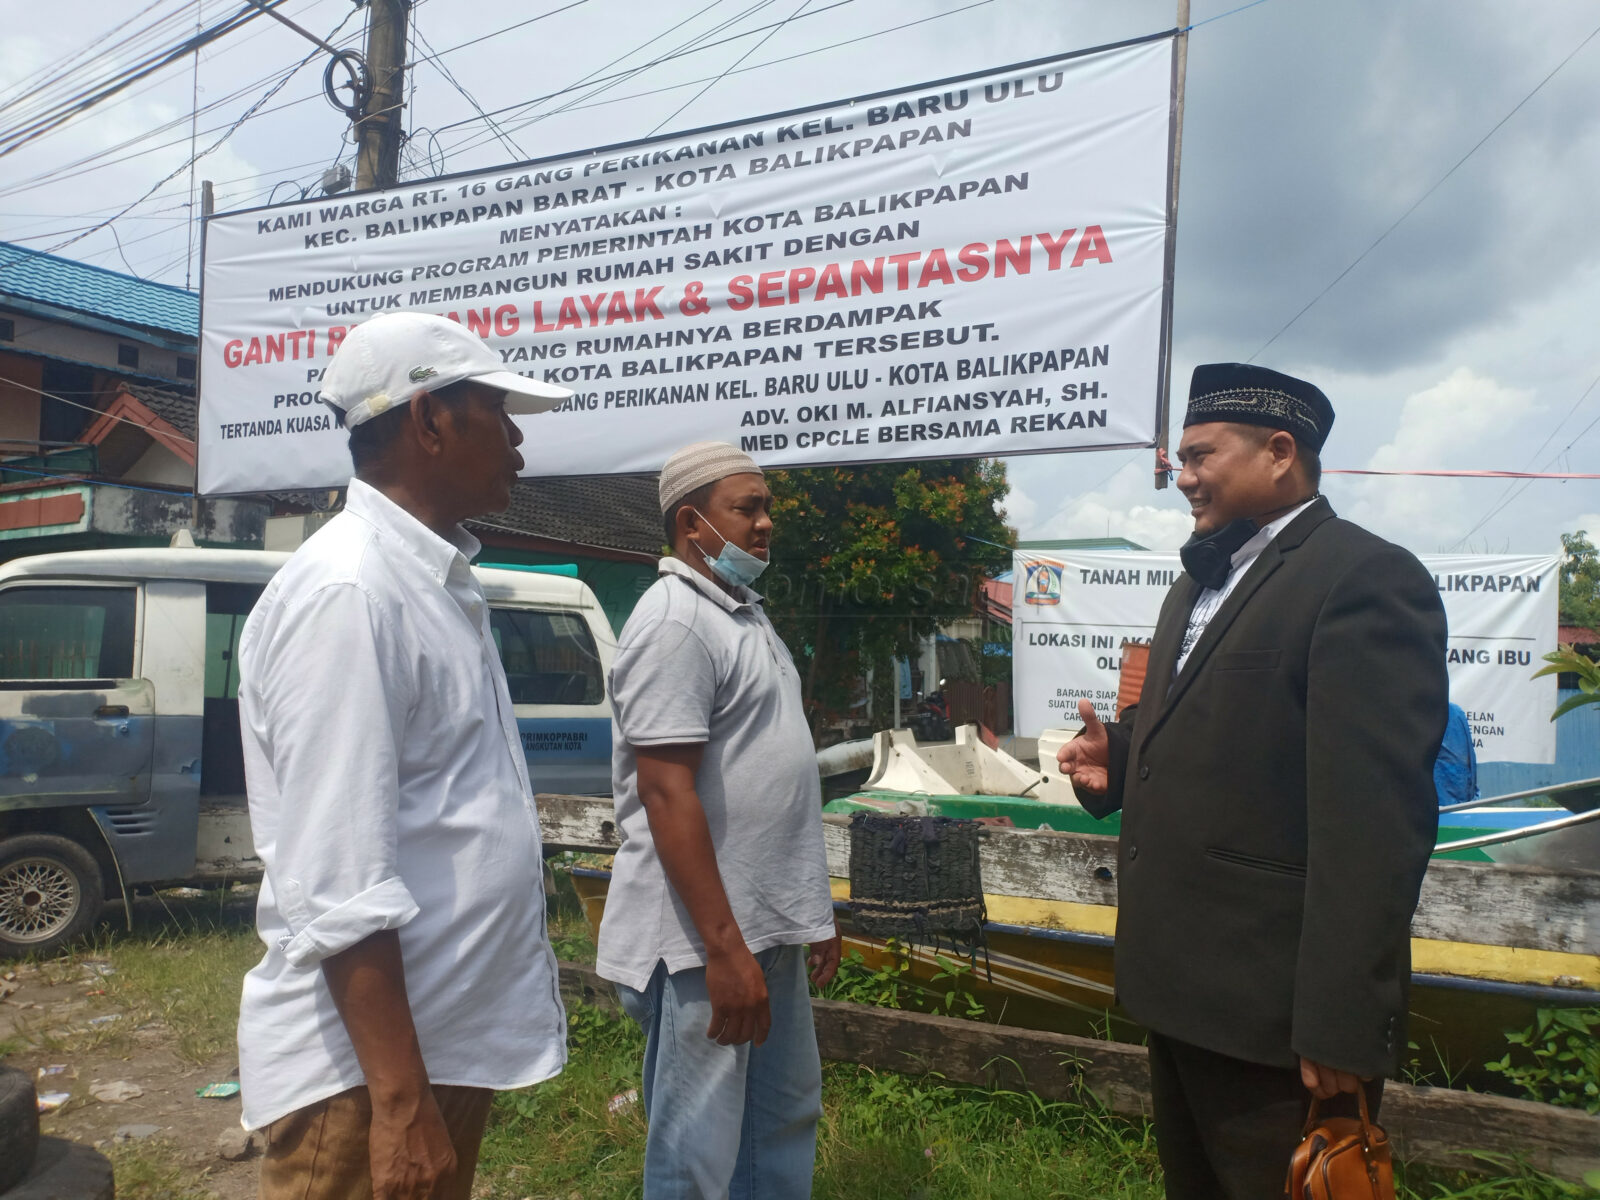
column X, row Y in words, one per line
column 38, row 899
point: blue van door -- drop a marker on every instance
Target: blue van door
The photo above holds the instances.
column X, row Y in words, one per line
column 75, row 727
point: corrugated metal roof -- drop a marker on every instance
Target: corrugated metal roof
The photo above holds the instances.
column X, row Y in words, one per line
column 65, row 283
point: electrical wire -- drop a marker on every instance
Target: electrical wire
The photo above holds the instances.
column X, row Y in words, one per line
column 762, row 65
column 729, row 68
column 432, row 57
column 99, row 160
column 248, row 113
column 595, row 76
column 28, row 387
column 13, row 139
column 1513, row 493
column 697, row 42
column 53, row 73
column 1418, row 202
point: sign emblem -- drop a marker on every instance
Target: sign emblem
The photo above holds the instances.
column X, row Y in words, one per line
column 1043, row 584
column 418, row 374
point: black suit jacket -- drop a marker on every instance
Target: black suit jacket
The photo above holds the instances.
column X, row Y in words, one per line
column 1278, row 807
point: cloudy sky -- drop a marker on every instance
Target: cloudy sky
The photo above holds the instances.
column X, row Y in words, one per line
column 1466, row 339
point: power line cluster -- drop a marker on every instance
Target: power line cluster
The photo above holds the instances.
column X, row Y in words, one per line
column 42, row 111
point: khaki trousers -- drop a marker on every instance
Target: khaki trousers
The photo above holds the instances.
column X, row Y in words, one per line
column 320, row 1152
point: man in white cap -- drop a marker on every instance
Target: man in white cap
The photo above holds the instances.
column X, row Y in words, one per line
column 408, row 974
column 722, row 879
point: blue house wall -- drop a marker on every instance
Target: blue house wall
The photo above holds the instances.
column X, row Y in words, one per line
column 1577, row 756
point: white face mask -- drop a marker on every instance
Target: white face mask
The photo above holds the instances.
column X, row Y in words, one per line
column 733, row 566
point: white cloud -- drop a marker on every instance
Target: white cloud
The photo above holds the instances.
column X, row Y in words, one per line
column 1124, row 505
column 1463, row 412
column 1459, row 422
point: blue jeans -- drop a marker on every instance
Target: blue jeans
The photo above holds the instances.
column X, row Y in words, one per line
column 728, row 1121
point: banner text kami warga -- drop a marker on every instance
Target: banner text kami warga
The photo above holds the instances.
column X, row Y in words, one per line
column 909, row 271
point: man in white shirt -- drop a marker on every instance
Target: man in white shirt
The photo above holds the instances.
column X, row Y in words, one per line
column 408, row 972
column 722, row 879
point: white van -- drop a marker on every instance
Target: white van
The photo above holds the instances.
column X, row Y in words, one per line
column 120, row 755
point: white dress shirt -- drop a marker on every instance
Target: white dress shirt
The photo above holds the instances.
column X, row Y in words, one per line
column 1210, row 600
column 388, row 790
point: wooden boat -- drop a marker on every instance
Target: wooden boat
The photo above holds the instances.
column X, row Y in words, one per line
column 1491, row 944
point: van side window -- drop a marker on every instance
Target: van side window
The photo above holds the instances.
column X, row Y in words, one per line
column 66, row 632
column 549, row 657
column 227, row 606
column 222, row 750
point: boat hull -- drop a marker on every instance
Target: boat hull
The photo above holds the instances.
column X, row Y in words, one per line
column 1049, row 965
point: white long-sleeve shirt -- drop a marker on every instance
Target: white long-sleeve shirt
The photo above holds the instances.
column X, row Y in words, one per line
column 388, row 790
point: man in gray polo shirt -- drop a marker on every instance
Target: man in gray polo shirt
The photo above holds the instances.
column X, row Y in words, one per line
column 722, row 879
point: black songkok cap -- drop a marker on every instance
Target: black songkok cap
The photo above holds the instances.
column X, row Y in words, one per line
column 1244, row 394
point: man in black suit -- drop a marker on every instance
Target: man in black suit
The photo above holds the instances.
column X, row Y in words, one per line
column 1276, row 789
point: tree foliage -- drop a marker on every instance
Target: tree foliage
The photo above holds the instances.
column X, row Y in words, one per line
column 1580, row 580
column 867, row 560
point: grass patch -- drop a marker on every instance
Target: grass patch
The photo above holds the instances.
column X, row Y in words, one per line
column 152, row 1169
column 559, row 1137
column 885, row 1135
column 182, row 964
column 190, row 982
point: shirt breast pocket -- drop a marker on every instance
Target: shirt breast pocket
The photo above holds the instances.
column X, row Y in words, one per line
column 1247, row 660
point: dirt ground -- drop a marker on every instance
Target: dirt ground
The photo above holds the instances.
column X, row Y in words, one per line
column 51, row 1014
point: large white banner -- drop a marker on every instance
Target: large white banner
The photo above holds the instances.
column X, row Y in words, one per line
column 1073, row 610
column 976, row 267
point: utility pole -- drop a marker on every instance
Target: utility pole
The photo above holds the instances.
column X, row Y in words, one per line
column 208, row 205
column 378, row 130
column 1180, row 69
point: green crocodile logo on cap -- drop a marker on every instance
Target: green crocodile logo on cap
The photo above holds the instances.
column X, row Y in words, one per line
column 418, row 374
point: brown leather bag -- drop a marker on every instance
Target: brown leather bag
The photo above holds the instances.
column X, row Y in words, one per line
column 1341, row 1158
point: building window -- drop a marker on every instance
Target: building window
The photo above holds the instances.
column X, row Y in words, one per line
column 185, row 367
column 127, row 356
column 8, row 330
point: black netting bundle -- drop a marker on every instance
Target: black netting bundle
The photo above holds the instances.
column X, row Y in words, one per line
column 916, row 879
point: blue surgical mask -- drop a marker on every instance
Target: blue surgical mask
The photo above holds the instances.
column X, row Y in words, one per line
column 736, row 567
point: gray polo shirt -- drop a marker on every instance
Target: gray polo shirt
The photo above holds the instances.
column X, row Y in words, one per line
column 696, row 665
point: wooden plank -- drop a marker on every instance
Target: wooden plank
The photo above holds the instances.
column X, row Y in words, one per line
column 1531, row 908
column 1433, row 1126
column 586, row 823
column 583, row 983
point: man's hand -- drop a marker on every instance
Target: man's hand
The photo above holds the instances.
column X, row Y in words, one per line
column 1325, row 1082
column 412, row 1158
column 737, row 988
column 1086, row 759
column 408, row 1146
column 824, row 959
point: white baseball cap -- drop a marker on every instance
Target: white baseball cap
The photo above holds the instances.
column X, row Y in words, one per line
column 389, row 358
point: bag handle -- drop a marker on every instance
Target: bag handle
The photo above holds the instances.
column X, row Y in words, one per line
column 1367, row 1155
column 1361, row 1103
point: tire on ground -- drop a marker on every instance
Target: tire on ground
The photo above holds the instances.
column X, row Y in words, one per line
column 19, row 1126
column 51, row 893
column 64, row 1169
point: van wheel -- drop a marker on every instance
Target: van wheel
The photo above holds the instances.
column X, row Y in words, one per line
column 51, row 892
